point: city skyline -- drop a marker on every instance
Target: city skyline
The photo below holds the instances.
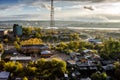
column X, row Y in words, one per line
column 79, row 10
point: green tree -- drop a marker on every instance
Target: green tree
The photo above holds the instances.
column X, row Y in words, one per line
column 2, row 63
column 99, row 76
column 17, row 39
column 25, row 78
column 13, row 67
column 1, row 48
column 117, row 70
column 47, row 68
column 111, row 48
column 17, row 46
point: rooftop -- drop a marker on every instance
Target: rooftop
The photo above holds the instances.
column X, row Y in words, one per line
column 20, row 58
column 4, row 75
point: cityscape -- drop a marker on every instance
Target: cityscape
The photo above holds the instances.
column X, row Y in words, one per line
column 59, row 40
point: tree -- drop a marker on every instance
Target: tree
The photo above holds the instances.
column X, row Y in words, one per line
column 32, row 41
column 31, row 71
column 13, row 67
column 111, row 48
column 117, row 70
column 117, row 74
column 5, row 40
column 17, row 39
column 1, row 48
column 37, row 35
column 47, row 68
column 2, row 63
column 99, row 76
column 17, row 46
column 27, row 30
column 25, row 78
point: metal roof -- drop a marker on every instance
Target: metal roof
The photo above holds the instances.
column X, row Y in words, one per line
column 4, row 75
column 20, row 58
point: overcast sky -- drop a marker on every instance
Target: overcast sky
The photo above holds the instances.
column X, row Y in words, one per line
column 81, row 10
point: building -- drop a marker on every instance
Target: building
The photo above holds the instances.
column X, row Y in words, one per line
column 3, row 32
column 46, row 54
column 4, row 75
column 21, row 59
column 33, row 50
column 95, row 41
column 17, row 30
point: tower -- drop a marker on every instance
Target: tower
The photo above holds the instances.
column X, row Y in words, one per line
column 17, row 30
column 52, row 15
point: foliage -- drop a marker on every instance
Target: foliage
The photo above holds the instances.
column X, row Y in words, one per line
column 2, row 63
column 111, row 48
column 99, row 76
column 47, row 68
column 17, row 39
column 117, row 70
column 27, row 30
column 1, row 48
column 17, row 46
column 13, row 67
column 32, row 41
column 73, row 46
column 25, row 78
column 117, row 65
column 5, row 40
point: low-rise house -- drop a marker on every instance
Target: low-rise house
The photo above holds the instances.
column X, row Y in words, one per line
column 71, row 62
column 95, row 41
column 89, row 65
column 33, row 49
column 3, row 32
column 4, row 75
column 108, row 67
column 104, row 62
column 21, row 59
column 46, row 53
column 74, row 54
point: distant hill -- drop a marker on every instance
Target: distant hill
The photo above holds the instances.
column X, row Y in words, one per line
column 61, row 24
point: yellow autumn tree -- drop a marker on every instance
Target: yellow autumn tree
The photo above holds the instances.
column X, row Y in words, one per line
column 32, row 41
column 1, row 48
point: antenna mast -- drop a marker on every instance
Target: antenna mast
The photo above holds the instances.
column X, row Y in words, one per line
column 52, row 15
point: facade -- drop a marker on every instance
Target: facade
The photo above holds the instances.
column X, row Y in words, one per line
column 46, row 53
column 33, row 50
column 17, row 30
column 3, row 32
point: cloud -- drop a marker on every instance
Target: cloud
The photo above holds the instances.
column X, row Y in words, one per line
column 25, row 17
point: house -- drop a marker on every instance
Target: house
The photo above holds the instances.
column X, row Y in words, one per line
column 33, row 50
column 74, row 54
column 4, row 75
column 21, row 59
column 87, row 51
column 2, row 33
column 89, row 65
column 46, row 53
column 71, row 62
column 108, row 67
column 95, row 41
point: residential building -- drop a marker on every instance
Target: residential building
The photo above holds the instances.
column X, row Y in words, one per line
column 17, row 30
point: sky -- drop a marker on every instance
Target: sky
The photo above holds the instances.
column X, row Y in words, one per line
column 65, row 10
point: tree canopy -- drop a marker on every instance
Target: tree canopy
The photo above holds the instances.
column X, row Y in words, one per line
column 32, row 41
